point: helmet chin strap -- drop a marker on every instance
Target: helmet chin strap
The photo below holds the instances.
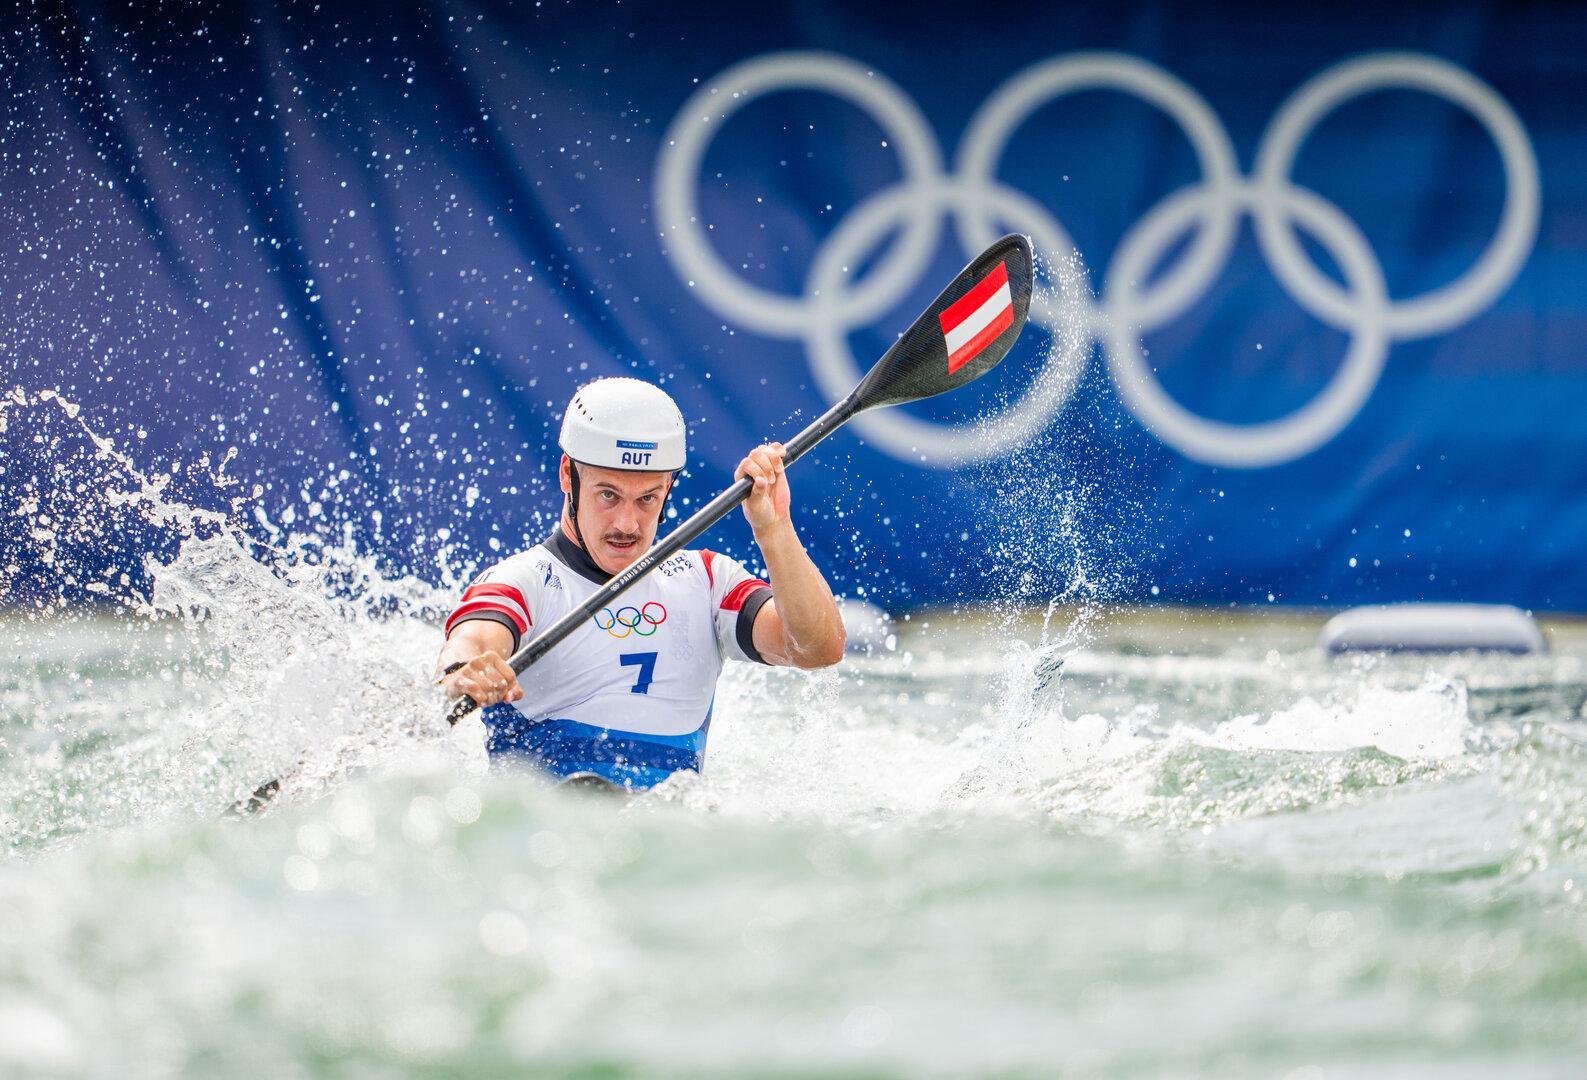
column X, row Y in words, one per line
column 671, row 481
column 573, row 504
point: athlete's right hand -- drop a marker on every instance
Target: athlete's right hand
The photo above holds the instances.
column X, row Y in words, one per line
column 487, row 679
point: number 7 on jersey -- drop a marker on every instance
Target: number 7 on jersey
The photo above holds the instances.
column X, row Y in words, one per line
column 646, row 663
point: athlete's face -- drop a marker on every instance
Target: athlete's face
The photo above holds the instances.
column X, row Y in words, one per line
column 618, row 511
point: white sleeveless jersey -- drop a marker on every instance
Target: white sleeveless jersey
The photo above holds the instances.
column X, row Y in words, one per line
column 628, row 694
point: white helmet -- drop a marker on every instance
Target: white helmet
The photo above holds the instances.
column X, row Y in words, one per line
column 624, row 424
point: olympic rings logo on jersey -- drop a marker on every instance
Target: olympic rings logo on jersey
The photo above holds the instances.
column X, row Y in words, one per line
column 627, row 620
column 1132, row 302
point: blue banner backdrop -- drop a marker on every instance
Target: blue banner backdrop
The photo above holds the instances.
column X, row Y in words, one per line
column 1328, row 348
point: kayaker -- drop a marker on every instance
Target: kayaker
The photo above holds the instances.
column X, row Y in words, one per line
column 627, row 698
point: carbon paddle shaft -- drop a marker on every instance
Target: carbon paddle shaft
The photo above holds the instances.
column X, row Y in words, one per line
column 703, row 519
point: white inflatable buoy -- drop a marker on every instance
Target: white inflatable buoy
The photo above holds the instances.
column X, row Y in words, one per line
column 1433, row 628
column 869, row 628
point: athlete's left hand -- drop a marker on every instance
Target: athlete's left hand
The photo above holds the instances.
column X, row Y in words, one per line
column 768, row 501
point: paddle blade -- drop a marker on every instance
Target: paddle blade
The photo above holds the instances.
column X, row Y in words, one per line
column 965, row 332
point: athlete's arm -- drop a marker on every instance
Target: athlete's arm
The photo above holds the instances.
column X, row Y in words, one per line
column 480, row 645
column 801, row 627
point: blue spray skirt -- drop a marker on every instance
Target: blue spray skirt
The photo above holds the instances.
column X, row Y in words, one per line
column 565, row 747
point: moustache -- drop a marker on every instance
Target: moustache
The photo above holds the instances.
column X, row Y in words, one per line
column 621, row 538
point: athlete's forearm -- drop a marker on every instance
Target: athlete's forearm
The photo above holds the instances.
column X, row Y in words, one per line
column 810, row 618
column 476, row 651
column 473, row 638
column 457, row 650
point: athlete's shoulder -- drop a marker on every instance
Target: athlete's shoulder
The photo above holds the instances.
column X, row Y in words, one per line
column 508, row 592
column 729, row 580
column 737, row 597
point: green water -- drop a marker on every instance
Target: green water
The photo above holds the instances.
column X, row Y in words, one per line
column 1174, row 846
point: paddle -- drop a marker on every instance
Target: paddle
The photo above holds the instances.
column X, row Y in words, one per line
column 967, row 330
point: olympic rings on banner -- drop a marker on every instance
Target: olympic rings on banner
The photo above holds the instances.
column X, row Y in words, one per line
column 628, row 619
column 1207, row 215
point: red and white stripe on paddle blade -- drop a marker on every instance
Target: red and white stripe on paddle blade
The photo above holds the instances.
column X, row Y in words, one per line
column 974, row 321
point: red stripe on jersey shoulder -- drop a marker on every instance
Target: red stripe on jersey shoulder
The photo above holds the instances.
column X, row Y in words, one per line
column 496, row 588
column 707, row 557
column 475, row 607
column 739, row 593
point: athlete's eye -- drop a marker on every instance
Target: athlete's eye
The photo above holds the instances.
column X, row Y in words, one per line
column 609, row 496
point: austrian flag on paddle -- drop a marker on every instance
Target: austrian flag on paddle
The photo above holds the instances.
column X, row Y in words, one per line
column 973, row 321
